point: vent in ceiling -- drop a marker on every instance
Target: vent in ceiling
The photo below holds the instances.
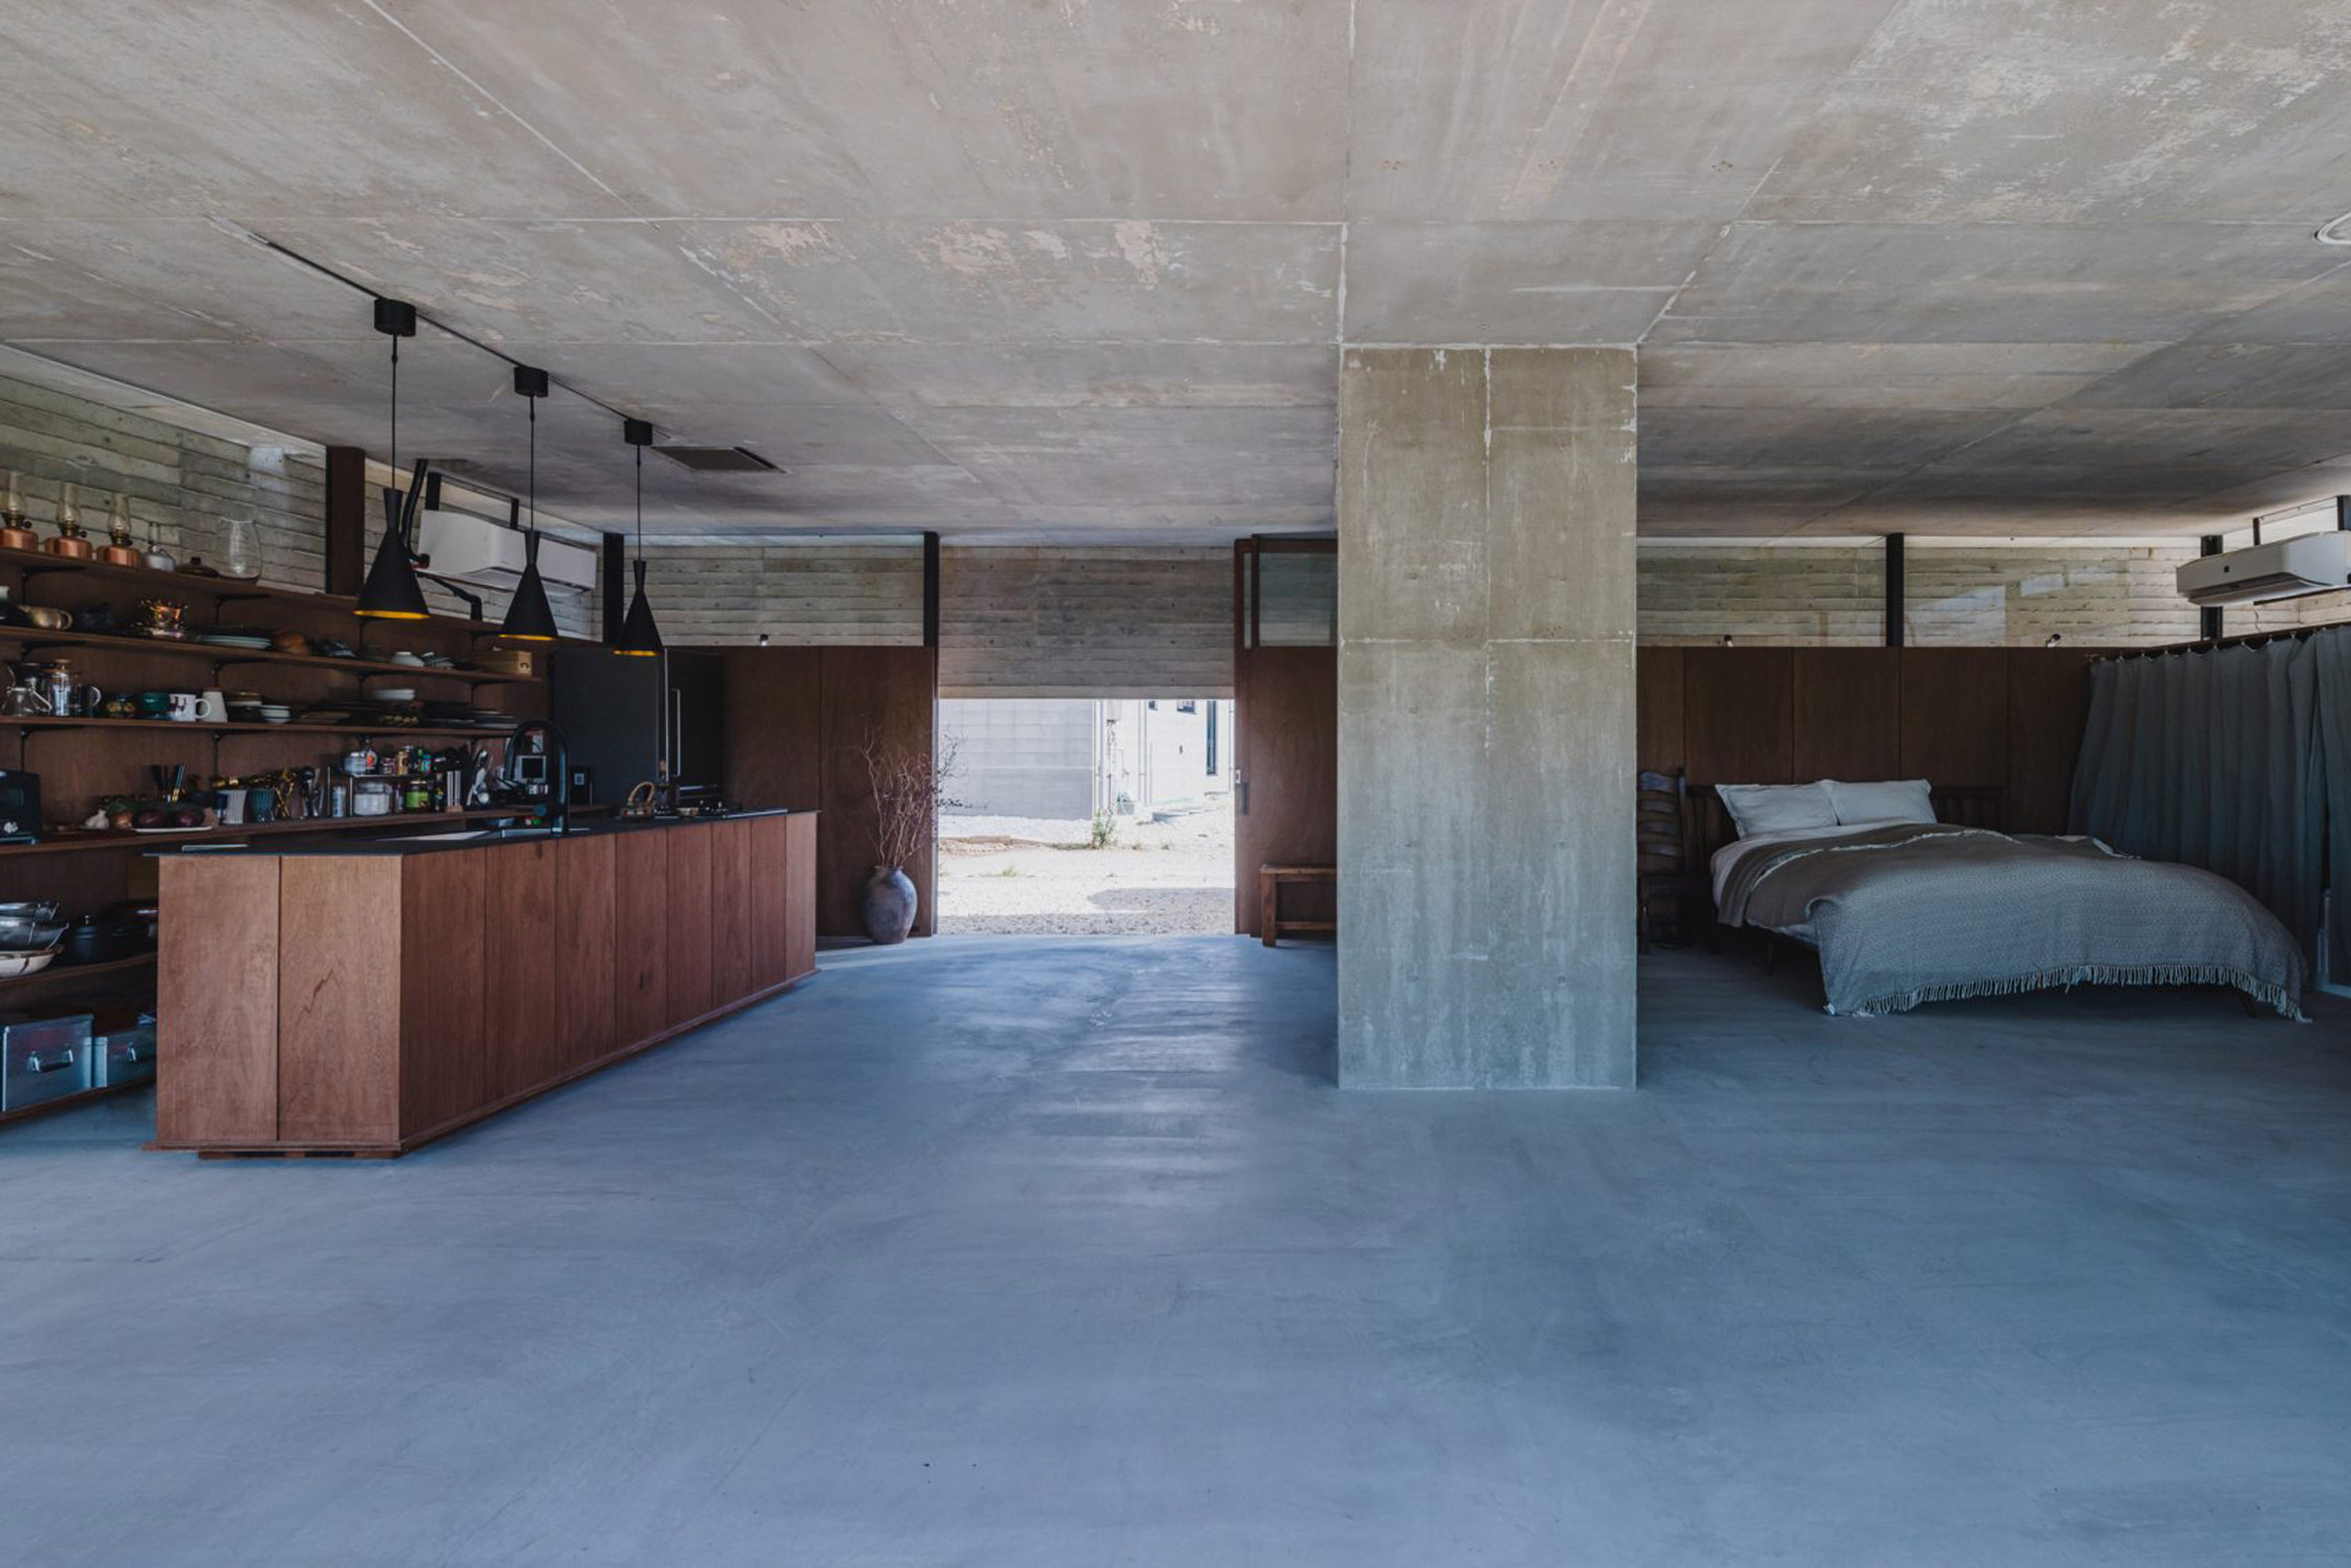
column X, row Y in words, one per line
column 718, row 460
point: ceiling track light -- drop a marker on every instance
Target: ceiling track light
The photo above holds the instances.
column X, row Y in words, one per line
column 640, row 637
column 529, row 617
column 392, row 592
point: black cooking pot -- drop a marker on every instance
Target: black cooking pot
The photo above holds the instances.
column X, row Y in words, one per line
column 96, row 940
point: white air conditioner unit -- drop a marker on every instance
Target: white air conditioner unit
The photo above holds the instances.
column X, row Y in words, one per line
column 474, row 550
column 2287, row 569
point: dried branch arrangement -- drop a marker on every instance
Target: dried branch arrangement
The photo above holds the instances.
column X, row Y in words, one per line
column 909, row 792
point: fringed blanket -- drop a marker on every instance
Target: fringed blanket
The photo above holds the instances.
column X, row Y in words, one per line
column 1932, row 912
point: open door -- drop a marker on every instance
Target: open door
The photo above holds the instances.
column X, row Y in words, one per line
column 1286, row 719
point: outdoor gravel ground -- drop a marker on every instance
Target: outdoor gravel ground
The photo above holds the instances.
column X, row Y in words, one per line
column 1028, row 876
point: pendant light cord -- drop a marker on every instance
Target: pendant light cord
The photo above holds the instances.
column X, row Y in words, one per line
column 395, row 462
column 534, row 468
column 640, row 504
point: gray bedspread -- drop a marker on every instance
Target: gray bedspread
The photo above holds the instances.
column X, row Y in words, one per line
column 1927, row 912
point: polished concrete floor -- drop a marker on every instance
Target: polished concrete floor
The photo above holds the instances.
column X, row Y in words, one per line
column 1056, row 1252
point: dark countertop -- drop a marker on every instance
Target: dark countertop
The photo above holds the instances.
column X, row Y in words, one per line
column 420, row 840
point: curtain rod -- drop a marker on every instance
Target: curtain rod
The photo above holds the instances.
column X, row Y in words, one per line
column 2247, row 640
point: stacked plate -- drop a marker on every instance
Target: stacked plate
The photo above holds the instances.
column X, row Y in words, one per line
column 253, row 638
column 29, row 940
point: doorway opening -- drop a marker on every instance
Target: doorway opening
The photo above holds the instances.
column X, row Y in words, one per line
column 1077, row 817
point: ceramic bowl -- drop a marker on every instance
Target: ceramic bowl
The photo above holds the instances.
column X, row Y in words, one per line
column 16, row 965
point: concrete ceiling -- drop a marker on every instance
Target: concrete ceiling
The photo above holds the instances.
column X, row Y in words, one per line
column 1081, row 270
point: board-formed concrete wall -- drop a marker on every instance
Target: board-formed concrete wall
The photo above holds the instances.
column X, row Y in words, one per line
column 1085, row 623
column 1486, row 718
column 185, row 486
column 1986, row 594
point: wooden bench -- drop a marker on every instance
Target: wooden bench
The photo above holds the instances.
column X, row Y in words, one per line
column 1270, row 881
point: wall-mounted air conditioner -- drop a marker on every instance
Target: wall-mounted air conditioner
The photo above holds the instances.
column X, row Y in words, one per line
column 474, row 550
column 2317, row 563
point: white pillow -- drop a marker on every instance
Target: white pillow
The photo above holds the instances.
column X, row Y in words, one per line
column 1777, row 808
column 1890, row 800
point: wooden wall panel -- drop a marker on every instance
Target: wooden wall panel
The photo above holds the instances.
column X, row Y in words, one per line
column 733, row 919
column 2011, row 717
column 892, row 692
column 2048, row 704
column 338, row 999
column 799, row 908
column 1286, row 754
column 1739, row 715
column 774, row 710
column 1955, row 715
column 586, row 880
column 793, row 716
column 217, row 1008
column 1659, row 706
column 520, row 968
column 689, row 929
column 1846, row 707
column 443, row 1067
column 770, row 899
column 640, row 915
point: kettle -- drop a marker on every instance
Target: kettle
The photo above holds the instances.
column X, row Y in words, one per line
column 25, row 698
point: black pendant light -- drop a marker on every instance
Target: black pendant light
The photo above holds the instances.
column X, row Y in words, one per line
column 640, row 637
column 529, row 617
column 392, row 592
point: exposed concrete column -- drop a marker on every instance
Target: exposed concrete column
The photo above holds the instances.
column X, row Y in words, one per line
column 1486, row 604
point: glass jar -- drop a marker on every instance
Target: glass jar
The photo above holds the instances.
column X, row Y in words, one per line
column 241, row 549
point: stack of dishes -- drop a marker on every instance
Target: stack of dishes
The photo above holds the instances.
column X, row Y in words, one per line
column 30, row 934
column 252, row 638
column 273, row 713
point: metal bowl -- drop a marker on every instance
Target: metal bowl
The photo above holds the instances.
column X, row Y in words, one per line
column 29, row 936
column 44, row 909
column 16, row 965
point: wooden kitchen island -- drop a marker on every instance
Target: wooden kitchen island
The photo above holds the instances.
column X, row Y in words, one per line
column 361, row 997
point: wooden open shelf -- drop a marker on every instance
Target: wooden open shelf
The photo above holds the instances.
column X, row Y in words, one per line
column 223, row 590
column 249, row 726
column 83, row 761
column 33, row 637
column 60, row 972
column 47, row 1106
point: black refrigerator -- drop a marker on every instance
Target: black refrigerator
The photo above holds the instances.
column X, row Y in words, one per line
column 621, row 716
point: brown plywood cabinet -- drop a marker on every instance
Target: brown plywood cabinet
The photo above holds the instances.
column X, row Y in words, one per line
column 367, row 1001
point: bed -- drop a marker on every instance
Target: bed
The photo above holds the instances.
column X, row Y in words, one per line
column 1904, row 911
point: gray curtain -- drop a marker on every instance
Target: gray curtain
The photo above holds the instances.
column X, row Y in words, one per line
column 2216, row 758
column 2331, row 656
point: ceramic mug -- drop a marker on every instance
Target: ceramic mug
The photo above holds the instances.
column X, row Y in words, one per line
column 183, row 707
column 211, row 707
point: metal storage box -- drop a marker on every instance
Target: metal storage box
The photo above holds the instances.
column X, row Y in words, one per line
column 122, row 1056
column 43, row 1059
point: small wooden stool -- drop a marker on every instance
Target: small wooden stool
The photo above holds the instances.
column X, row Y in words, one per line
column 1270, row 879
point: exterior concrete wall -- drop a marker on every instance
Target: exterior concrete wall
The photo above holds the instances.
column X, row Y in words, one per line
column 1486, row 734
column 1063, row 756
column 1021, row 756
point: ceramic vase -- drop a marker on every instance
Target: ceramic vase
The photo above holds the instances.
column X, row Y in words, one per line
column 889, row 904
